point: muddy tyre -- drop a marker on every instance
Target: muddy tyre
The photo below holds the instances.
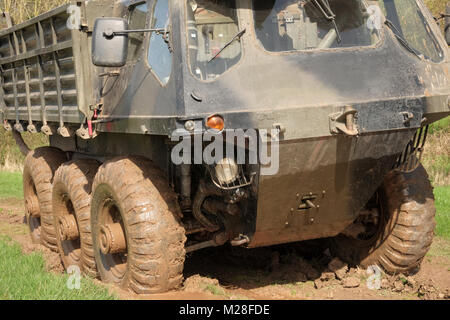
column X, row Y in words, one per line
column 137, row 236
column 405, row 229
column 39, row 168
column 72, row 213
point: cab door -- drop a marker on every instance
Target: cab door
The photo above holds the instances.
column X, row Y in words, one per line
column 115, row 82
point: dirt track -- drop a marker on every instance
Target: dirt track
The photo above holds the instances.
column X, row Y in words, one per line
column 296, row 271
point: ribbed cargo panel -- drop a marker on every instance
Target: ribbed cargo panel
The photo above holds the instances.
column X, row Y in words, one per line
column 42, row 73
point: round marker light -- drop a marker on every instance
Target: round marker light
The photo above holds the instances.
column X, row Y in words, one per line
column 215, row 122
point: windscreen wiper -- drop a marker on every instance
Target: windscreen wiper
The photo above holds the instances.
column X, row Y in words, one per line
column 325, row 9
column 236, row 37
column 401, row 39
column 442, row 16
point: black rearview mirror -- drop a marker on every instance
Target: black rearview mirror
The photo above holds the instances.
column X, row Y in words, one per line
column 108, row 48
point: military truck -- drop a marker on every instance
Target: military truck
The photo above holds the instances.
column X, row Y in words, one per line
column 340, row 94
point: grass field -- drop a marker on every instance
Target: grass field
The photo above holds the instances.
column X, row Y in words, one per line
column 436, row 6
column 442, row 195
column 10, row 185
column 10, row 157
column 24, row 277
column 436, row 157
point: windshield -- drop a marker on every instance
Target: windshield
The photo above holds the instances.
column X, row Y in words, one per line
column 290, row 25
column 213, row 37
column 410, row 22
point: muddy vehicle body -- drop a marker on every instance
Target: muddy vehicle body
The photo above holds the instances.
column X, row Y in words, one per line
column 341, row 93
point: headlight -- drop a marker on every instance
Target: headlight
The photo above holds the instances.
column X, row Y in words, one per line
column 227, row 171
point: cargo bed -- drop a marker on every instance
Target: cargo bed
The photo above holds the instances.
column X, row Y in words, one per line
column 44, row 81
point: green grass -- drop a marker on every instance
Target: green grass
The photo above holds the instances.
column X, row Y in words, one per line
column 438, row 167
column 436, row 158
column 10, row 185
column 442, row 195
column 10, row 157
column 215, row 290
column 442, row 125
column 439, row 248
column 436, row 6
column 24, row 277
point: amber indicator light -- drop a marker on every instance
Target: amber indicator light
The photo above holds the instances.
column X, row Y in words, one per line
column 215, row 122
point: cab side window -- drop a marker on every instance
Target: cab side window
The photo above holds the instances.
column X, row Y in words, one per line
column 412, row 25
column 137, row 20
column 214, row 37
column 159, row 56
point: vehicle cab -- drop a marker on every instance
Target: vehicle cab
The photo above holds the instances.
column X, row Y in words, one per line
column 232, row 55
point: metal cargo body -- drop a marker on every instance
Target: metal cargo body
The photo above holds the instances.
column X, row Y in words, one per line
column 43, row 77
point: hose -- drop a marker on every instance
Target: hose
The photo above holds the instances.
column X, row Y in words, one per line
column 204, row 191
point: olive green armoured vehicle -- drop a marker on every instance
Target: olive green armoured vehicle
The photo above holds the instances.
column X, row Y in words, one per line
column 177, row 125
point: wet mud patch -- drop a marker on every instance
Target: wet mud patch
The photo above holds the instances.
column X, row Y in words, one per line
column 305, row 270
column 14, row 226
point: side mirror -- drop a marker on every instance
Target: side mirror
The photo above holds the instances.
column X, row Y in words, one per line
column 447, row 24
column 108, row 49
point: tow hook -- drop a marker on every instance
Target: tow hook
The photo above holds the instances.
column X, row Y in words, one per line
column 344, row 122
column 239, row 241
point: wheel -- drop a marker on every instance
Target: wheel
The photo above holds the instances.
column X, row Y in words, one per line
column 397, row 230
column 40, row 166
column 72, row 213
column 137, row 236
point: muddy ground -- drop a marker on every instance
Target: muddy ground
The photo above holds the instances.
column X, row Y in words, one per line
column 296, row 271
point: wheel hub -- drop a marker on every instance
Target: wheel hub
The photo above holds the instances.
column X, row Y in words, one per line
column 112, row 239
column 32, row 205
column 68, row 228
